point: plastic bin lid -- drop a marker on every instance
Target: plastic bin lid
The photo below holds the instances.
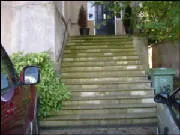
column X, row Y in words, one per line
column 163, row 71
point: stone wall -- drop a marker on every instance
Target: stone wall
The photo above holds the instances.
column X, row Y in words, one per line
column 7, row 19
column 167, row 55
column 141, row 46
column 72, row 12
column 32, row 26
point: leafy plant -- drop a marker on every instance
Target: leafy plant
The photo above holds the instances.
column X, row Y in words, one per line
column 82, row 20
column 157, row 20
column 51, row 91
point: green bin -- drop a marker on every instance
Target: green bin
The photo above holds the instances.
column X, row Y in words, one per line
column 162, row 80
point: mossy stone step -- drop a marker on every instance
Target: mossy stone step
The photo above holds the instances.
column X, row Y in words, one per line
column 100, row 63
column 74, row 55
column 111, row 93
column 104, row 58
column 100, row 44
column 88, row 87
column 99, row 50
column 102, row 74
column 107, row 106
column 102, row 111
column 101, row 69
column 133, row 91
column 98, row 40
column 107, row 55
column 103, row 116
column 103, row 80
column 127, row 100
column 92, row 37
column 114, row 130
column 110, row 97
column 116, row 60
column 102, row 122
column 99, row 47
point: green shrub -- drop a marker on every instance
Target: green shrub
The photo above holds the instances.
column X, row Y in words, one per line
column 51, row 91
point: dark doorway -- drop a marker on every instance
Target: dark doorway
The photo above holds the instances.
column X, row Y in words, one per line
column 101, row 14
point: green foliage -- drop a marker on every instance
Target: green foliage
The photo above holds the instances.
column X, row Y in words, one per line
column 158, row 20
column 51, row 91
column 82, row 20
column 114, row 6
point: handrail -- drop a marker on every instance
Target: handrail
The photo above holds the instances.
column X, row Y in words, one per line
column 67, row 24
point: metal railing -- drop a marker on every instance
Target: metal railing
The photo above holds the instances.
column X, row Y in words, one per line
column 67, row 25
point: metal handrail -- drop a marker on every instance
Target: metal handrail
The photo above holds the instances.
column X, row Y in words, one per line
column 67, row 24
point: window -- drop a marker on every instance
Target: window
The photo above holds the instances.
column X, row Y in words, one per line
column 8, row 73
column 6, row 81
column 90, row 10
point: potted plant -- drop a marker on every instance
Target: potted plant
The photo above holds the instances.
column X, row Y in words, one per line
column 82, row 21
column 127, row 21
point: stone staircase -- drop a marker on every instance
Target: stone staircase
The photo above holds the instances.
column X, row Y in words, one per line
column 110, row 90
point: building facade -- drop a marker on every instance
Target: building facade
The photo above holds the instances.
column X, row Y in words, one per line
column 96, row 15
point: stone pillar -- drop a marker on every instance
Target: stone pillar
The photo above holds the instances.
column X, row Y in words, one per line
column 141, row 45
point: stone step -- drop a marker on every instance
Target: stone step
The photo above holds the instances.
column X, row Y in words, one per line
column 101, row 39
column 110, row 97
column 99, row 50
column 89, row 43
column 100, row 63
column 98, row 40
column 98, row 46
column 104, row 58
column 92, row 37
column 103, row 116
column 107, row 106
column 101, row 69
column 111, row 93
column 114, row 130
column 130, row 73
column 132, row 85
column 102, row 106
column 99, row 54
column 103, row 80
column 103, row 122
column 107, row 82
column 132, row 90
column 116, row 111
column 118, row 100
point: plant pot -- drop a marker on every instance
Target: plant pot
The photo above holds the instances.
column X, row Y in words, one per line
column 84, row 31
